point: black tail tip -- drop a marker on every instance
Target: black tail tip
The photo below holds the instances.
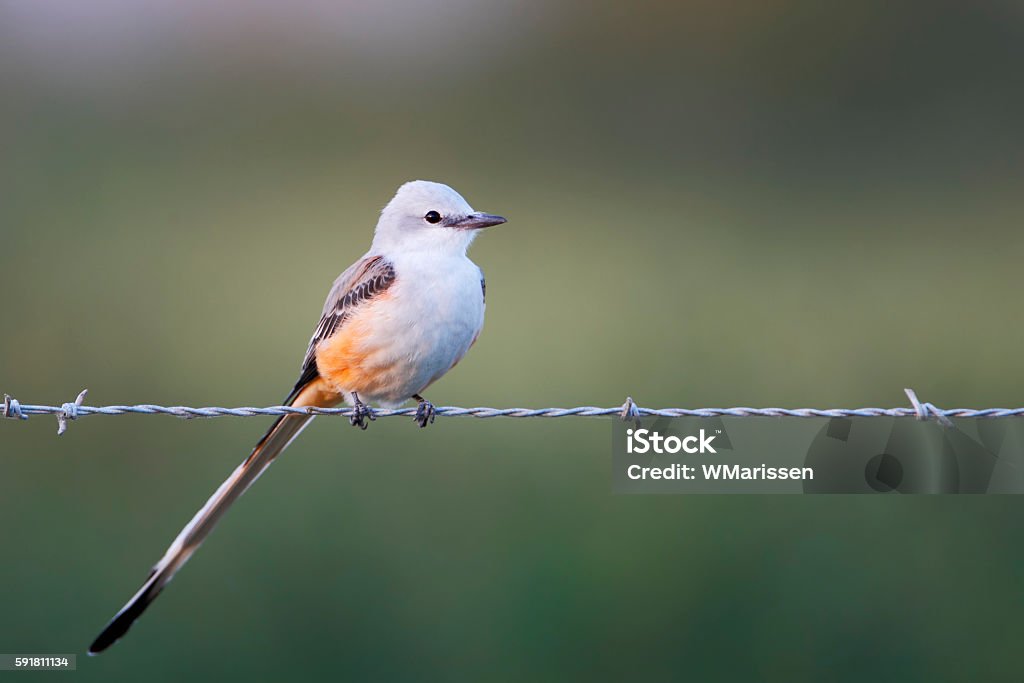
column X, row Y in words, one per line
column 118, row 627
column 103, row 641
column 124, row 619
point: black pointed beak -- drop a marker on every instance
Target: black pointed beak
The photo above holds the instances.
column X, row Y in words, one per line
column 476, row 221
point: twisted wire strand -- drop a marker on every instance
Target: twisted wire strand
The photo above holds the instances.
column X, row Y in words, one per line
column 485, row 412
column 12, row 408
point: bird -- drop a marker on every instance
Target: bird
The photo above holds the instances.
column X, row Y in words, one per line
column 393, row 323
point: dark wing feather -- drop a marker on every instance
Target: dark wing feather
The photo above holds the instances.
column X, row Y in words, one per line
column 364, row 280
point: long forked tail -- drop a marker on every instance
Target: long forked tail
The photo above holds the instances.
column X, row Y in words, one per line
column 277, row 438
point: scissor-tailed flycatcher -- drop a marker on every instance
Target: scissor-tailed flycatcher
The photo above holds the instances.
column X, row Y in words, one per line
column 394, row 322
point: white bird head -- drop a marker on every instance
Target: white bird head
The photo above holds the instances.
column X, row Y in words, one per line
column 431, row 217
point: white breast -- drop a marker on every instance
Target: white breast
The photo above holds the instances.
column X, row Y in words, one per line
column 433, row 314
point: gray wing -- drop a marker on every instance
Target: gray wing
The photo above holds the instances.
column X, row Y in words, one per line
column 362, row 281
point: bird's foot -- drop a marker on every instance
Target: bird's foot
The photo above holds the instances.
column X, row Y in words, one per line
column 360, row 413
column 424, row 411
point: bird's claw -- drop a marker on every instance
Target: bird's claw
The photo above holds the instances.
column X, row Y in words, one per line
column 360, row 414
column 424, row 413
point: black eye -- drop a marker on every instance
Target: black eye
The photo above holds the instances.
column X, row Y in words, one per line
column 432, row 217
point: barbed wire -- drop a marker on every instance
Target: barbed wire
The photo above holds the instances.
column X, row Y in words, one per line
column 14, row 409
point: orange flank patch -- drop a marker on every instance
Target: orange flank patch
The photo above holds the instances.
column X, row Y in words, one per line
column 344, row 361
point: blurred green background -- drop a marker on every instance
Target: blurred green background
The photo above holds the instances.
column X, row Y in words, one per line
column 761, row 203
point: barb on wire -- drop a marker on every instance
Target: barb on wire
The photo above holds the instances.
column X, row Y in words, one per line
column 69, row 411
column 14, row 409
column 629, row 410
column 924, row 410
